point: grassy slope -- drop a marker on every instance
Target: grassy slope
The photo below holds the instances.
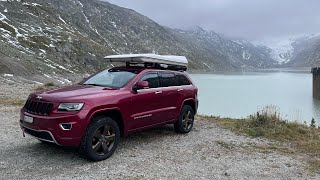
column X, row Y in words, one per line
column 267, row 124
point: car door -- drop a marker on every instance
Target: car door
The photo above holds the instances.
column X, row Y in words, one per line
column 171, row 95
column 146, row 103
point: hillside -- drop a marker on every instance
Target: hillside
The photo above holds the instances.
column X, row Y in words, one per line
column 219, row 53
column 49, row 37
column 306, row 52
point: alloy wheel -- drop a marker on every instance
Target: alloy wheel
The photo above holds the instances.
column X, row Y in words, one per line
column 187, row 120
column 103, row 139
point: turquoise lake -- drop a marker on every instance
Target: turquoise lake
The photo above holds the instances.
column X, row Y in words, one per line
column 238, row 95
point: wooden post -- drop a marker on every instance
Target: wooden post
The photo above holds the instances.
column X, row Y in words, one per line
column 316, row 82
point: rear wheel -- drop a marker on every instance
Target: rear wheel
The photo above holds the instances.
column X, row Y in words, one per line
column 186, row 120
column 101, row 139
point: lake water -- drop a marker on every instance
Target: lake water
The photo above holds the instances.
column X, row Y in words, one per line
column 239, row 95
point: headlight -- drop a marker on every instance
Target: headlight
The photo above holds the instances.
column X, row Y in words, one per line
column 70, row 106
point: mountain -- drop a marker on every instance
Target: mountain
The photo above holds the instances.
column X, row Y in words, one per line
column 50, row 37
column 220, row 53
column 295, row 52
column 306, row 52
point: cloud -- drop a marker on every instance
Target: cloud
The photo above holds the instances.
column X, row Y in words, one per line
column 249, row 19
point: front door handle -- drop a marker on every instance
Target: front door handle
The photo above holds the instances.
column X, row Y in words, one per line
column 180, row 90
column 158, row 92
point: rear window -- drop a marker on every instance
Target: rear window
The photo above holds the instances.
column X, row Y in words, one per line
column 182, row 80
column 167, row 80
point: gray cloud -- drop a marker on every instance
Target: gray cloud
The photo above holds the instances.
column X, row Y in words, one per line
column 250, row 19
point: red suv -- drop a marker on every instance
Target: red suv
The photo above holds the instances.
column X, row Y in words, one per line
column 93, row 114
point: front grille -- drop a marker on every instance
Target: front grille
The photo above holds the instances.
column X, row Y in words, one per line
column 39, row 134
column 38, row 107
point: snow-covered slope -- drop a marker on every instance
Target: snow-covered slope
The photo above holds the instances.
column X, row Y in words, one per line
column 298, row 51
column 306, row 52
column 281, row 49
column 50, row 37
column 230, row 53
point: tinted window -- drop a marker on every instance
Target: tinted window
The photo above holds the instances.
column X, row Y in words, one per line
column 182, row 80
column 152, row 79
column 167, row 80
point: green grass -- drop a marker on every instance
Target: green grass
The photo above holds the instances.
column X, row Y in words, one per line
column 267, row 123
column 45, row 86
column 12, row 101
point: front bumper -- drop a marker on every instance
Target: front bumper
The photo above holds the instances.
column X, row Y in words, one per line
column 42, row 135
column 48, row 128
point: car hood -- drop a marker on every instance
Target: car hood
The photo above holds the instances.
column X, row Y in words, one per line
column 74, row 93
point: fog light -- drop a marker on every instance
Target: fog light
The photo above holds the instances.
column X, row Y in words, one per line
column 66, row 126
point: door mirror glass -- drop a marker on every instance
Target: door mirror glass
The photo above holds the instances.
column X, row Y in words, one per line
column 141, row 85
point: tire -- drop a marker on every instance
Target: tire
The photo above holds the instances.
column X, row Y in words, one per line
column 101, row 139
column 185, row 121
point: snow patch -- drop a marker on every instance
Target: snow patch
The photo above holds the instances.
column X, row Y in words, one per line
column 42, row 52
column 62, row 19
column 49, row 65
column 62, row 80
column 46, row 75
column 92, row 54
column 279, row 48
column 31, row 4
column 67, row 81
column 56, row 65
column 114, row 24
column 83, row 12
column 32, row 14
column 8, row 75
column 80, row 3
column 36, row 82
column 2, row 17
column 206, row 65
column 246, row 55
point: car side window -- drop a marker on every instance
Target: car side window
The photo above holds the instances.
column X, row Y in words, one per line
column 167, row 80
column 152, row 79
column 182, row 80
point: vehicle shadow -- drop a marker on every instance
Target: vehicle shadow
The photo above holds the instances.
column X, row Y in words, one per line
column 52, row 154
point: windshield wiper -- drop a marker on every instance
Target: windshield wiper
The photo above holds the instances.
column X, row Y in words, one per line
column 105, row 87
column 110, row 88
column 94, row 85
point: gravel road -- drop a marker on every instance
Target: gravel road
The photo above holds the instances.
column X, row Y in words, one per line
column 208, row 152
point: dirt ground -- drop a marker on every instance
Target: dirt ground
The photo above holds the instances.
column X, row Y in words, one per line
column 208, row 152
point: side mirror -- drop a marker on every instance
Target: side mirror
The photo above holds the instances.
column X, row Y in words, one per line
column 141, row 85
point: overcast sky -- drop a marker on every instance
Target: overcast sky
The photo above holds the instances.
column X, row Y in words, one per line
column 249, row 19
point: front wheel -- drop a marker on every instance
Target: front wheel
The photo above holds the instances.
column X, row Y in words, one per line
column 186, row 120
column 101, row 139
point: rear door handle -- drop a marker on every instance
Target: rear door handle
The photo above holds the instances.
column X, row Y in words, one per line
column 158, row 92
column 180, row 90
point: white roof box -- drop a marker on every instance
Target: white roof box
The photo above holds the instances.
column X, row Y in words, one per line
column 149, row 58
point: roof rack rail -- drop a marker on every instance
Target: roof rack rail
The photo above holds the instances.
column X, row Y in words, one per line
column 178, row 63
column 157, row 66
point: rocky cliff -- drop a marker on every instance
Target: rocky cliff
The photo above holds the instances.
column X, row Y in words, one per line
column 50, row 37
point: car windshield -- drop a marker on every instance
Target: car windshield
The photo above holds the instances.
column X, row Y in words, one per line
column 111, row 78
